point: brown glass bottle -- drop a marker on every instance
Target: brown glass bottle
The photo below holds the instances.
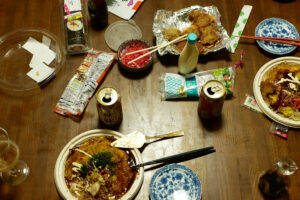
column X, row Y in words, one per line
column 275, row 181
column 98, row 13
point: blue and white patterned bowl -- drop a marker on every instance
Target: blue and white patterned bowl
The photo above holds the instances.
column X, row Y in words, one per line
column 175, row 182
column 275, row 27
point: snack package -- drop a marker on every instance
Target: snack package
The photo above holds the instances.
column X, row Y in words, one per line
column 175, row 86
column 279, row 130
column 251, row 104
column 84, row 83
column 75, row 26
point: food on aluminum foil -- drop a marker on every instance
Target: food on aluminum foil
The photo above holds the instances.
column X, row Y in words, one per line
column 280, row 90
column 203, row 21
column 172, row 33
column 94, row 170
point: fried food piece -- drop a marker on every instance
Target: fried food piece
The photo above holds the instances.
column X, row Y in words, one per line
column 209, row 35
column 200, row 47
column 171, row 33
column 182, row 44
column 192, row 29
column 204, row 20
column 194, row 14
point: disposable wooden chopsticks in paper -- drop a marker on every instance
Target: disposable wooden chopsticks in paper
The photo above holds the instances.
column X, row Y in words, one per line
column 290, row 41
column 159, row 47
column 177, row 157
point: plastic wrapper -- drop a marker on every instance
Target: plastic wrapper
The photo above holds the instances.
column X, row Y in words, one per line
column 84, row 83
column 279, row 130
column 165, row 19
column 251, row 104
column 174, row 86
column 75, row 26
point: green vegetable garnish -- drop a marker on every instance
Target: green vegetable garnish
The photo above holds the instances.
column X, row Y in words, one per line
column 83, row 170
column 101, row 159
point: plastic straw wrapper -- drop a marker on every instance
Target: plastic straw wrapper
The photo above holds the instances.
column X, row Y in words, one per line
column 174, row 86
column 84, row 83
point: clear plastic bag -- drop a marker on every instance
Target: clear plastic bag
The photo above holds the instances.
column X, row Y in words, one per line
column 84, row 83
column 74, row 18
column 174, row 86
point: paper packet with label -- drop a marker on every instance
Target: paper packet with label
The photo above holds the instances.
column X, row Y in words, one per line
column 174, row 86
column 84, row 83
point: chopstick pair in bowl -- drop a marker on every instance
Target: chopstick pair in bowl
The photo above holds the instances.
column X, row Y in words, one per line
column 179, row 157
column 289, row 41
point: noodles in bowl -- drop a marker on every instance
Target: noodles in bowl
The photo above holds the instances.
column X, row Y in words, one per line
column 280, row 89
column 89, row 168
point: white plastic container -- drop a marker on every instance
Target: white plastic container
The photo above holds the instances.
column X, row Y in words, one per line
column 188, row 58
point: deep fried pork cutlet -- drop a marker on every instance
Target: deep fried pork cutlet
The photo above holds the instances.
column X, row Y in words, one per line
column 192, row 29
column 194, row 14
column 209, row 35
column 204, row 20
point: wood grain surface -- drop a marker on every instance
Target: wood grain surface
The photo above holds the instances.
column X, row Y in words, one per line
column 245, row 147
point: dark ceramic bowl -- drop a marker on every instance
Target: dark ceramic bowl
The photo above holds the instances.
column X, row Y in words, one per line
column 129, row 44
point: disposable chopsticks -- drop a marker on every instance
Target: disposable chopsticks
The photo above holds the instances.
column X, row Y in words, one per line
column 174, row 158
column 153, row 47
column 142, row 50
column 159, row 47
column 290, row 41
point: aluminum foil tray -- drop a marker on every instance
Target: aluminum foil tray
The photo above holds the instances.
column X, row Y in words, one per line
column 165, row 19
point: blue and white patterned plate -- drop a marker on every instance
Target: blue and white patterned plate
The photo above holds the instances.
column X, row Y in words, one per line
column 275, row 27
column 175, row 182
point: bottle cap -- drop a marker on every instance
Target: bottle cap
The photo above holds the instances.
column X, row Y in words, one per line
column 192, row 38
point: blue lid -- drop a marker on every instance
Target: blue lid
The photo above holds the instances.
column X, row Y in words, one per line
column 192, row 38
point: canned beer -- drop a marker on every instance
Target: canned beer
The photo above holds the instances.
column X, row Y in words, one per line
column 109, row 107
column 211, row 99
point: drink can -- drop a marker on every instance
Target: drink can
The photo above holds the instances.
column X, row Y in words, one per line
column 109, row 107
column 211, row 99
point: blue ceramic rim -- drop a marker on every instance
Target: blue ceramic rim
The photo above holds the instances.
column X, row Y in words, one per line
column 162, row 170
column 260, row 43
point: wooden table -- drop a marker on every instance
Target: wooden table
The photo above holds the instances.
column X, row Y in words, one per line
column 244, row 145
